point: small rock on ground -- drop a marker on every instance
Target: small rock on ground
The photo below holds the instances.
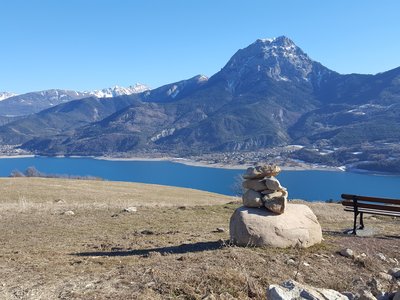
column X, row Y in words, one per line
column 130, row 209
column 381, row 256
column 68, row 213
column 347, row 253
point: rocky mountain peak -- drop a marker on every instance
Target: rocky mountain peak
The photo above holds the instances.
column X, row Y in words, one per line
column 281, row 41
column 278, row 59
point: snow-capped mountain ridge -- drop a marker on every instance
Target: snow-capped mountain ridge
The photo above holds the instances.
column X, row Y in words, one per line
column 5, row 95
column 119, row 91
column 29, row 103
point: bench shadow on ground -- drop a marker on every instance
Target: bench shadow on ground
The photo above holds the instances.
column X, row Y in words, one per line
column 181, row 249
column 366, row 233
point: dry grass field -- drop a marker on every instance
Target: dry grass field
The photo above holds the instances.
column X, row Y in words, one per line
column 168, row 249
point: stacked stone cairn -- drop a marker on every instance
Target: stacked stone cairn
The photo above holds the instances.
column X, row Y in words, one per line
column 263, row 189
column 266, row 219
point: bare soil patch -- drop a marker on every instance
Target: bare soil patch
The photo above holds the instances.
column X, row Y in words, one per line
column 168, row 249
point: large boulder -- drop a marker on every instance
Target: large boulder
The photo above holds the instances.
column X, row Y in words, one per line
column 291, row 289
column 297, row 226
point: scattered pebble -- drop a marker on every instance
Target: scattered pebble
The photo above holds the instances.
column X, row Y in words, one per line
column 290, row 262
column 381, row 256
column 220, row 229
column 68, row 213
column 393, row 261
column 306, row 264
column 130, row 209
column 347, row 253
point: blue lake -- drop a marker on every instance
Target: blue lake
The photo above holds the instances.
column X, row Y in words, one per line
column 308, row 185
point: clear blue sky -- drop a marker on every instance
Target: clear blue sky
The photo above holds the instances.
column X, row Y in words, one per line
column 92, row 44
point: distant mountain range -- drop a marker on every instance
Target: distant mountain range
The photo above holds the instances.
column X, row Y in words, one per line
column 25, row 104
column 268, row 94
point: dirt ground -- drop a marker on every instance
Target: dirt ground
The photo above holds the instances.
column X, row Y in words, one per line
column 169, row 248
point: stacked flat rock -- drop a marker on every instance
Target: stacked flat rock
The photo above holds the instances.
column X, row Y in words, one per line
column 263, row 189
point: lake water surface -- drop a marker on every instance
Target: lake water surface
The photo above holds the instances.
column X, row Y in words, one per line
column 308, row 185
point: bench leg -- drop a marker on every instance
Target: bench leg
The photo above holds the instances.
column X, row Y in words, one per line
column 361, row 221
column 355, row 222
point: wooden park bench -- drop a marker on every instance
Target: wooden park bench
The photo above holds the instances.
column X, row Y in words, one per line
column 370, row 205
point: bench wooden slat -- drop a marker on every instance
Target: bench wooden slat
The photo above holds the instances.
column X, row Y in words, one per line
column 374, row 212
column 371, row 199
column 372, row 206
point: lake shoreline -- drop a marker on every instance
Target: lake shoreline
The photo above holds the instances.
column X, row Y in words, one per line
column 206, row 164
column 189, row 162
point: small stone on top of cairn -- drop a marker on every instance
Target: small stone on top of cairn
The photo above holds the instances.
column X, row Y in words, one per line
column 263, row 189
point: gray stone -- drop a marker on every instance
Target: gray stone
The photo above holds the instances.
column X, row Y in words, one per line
column 276, row 205
column 347, row 253
column 397, row 296
column 252, row 199
column 291, row 289
column 272, row 184
column 254, row 184
column 298, row 226
column 395, row 272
